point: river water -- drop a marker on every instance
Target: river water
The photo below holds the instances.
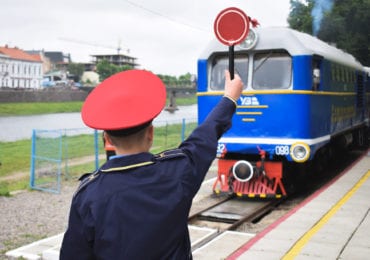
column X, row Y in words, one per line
column 13, row 128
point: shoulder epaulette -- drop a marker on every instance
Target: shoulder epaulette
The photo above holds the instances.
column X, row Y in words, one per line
column 86, row 179
column 169, row 154
column 84, row 176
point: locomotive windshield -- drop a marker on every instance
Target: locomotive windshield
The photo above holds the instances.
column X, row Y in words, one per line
column 221, row 63
column 272, row 70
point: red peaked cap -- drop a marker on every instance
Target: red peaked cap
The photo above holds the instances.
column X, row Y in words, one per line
column 125, row 100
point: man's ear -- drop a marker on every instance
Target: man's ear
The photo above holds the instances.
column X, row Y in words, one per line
column 151, row 133
column 107, row 137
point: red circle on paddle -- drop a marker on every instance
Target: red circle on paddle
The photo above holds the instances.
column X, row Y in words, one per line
column 231, row 26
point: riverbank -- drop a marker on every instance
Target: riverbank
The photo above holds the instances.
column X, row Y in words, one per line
column 38, row 108
column 9, row 95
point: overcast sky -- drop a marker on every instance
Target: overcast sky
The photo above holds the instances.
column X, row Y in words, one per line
column 166, row 36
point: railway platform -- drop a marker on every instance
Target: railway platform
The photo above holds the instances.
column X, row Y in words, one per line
column 333, row 223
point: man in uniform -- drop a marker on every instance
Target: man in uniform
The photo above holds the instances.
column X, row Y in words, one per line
column 137, row 204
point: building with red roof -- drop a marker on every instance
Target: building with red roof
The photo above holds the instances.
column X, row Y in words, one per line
column 19, row 69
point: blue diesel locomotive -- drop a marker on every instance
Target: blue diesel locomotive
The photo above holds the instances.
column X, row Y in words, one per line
column 303, row 100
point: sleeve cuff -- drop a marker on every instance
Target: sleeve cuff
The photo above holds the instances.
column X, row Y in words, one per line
column 230, row 98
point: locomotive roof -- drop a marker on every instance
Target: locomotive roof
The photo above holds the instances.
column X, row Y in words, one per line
column 296, row 43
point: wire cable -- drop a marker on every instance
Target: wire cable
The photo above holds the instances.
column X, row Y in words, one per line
column 166, row 17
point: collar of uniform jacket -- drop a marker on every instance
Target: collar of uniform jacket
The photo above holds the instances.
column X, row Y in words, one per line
column 127, row 162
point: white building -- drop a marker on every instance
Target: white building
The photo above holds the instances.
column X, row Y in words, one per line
column 18, row 69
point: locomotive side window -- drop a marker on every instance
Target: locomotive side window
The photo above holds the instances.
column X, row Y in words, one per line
column 272, row 70
column 220, row 64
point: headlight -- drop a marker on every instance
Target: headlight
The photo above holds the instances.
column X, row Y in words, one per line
column 300, row 152
column 242, row 171
column 250, row 41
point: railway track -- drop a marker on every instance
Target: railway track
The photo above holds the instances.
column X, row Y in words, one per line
column 228, row 214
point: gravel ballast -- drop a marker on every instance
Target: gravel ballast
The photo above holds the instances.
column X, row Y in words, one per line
column 28, row 216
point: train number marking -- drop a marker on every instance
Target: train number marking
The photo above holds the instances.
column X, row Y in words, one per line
column 221, row 148
column 282, row 149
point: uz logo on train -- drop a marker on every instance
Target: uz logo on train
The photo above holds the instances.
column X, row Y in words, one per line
column 249, row 101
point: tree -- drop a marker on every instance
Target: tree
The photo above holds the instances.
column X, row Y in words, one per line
column 173, row 81
column 76, row 69
column 186, row 79
column 105, row 69
column 300, row 18
column 347, row 25
column 168, row 80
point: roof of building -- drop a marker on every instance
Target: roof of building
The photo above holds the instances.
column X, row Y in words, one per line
column 18, row 54
column 114, row 55
column 58, row 56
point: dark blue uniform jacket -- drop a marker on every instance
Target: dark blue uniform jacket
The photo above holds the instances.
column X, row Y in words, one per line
column 136, row 207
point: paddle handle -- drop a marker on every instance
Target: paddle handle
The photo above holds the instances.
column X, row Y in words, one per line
column 231, row 61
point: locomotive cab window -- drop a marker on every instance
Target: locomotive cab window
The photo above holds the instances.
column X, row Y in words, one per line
column 272, row 70
column 220, row 64
column 316, row 72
